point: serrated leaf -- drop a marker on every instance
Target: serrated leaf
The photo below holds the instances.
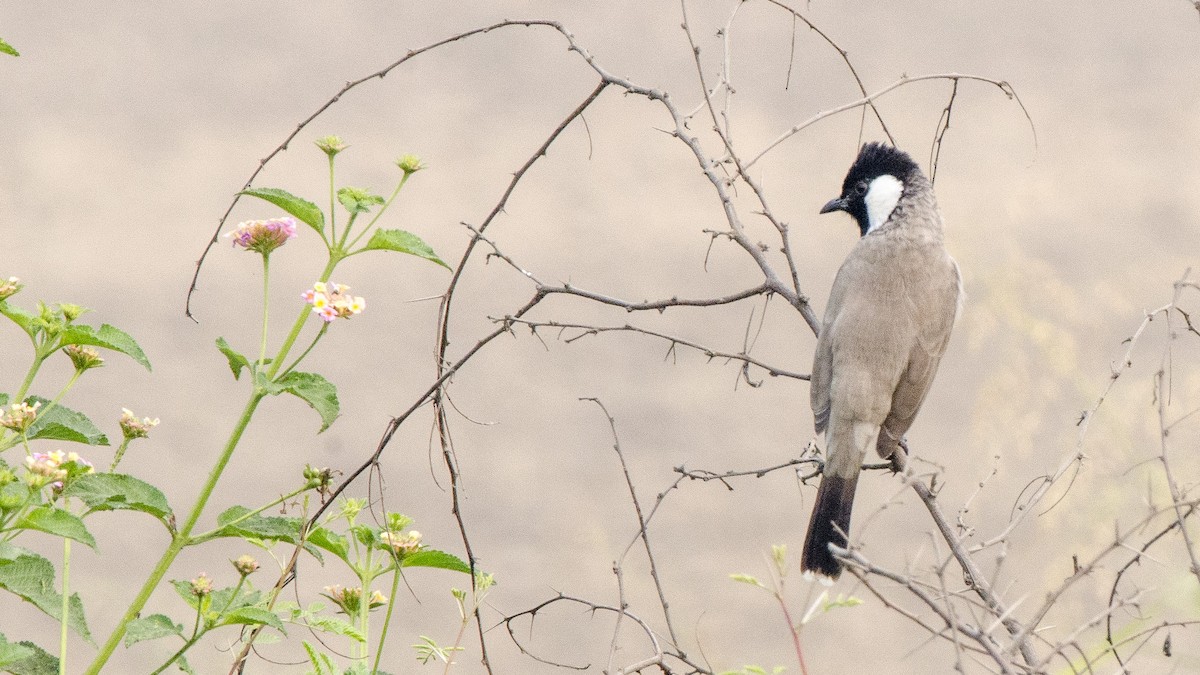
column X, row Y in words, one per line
column 6, row 48
column 28, row 321
column 322, row 664
column 253, row 616
column 261, row 527
column 314, row 390
column 30, row 576
column 304, row 210
column 358, row 200
column 60, row 423
column 331, row 541
column 236, row 361
column 151, row 628
column 106, row 337
column 39, row 662
column 334, row 625
column 12, row 652
column 119, row 492
column 58, row 522
column 438, row 559
column 404, row 242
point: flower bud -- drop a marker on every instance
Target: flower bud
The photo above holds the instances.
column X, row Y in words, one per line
column 410, row 164
column 84, row 358
column 330, row 145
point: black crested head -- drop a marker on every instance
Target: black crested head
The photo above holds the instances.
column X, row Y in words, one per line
column 874, row 160
column 877, row 159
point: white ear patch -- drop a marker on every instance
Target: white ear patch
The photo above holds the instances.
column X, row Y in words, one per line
column 882, row 196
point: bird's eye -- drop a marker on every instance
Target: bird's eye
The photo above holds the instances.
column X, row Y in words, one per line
column 860, row 188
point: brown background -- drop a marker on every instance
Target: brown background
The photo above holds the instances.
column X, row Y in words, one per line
column 127, row 127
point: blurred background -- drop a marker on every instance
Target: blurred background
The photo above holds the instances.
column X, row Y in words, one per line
column 129, row 127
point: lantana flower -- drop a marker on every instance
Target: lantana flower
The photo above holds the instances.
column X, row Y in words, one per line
column 56, row 467
column 264, row 236
column 20, row 416
column 402, row 544
column 331, row 301
column 83, row 357
column 9, row 287
column 349, row 600
column 133, row 428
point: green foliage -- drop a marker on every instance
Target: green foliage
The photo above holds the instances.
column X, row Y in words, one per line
column 106, row 337
column 60, row 423
column 437, row 559
column 151, row 627
column 56, row 521
column 236, row 361
column 303, row 210
column 119, row 492
column 36, row 661
column 314, row 390
column 13, row 652
column 31, row 577
column 358, row 200
column 404, row 242
column 6, row 48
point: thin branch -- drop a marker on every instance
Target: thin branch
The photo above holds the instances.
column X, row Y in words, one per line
column 641, row 534
column 904, row 80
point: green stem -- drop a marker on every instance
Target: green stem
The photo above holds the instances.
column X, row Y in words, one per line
column 364, row 608
column 262, row 350
column 379, row 213
column 66, row 608
column 28, row 382
column 181, row 539
column 182, row 650
column 212, row 534
column 304, row 312
column 332, row 206
column 324, row 327
column 118, row 455
column 387, row 617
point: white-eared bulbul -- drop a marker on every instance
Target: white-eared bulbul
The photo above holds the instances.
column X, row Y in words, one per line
column 886, row 326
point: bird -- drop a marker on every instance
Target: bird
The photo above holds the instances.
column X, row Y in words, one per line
column 891, row 309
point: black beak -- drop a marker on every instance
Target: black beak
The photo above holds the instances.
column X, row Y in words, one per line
column 838, row 204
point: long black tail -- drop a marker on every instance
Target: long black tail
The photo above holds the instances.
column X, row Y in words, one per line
column 830, row 523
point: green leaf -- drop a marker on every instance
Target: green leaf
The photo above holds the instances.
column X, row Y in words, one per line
column 404, row 242
column 58, row 522
column 12, row 652
column 260, row 527
column 183, row 665
column 253, row 616
column 6, row 48
column 60, row 423
column 119, row 492
column 304, row 210
column 438, row 559
column 334, row 625
column 358, row 200
column 331, row 541
column 107, row 337
column 314, row 390
column 322, row 664
column 30, row 576
column 236, row 361
column 151, row 628
column 39, row 662
column 28, row 321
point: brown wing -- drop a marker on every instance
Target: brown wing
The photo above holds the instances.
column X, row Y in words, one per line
column 937, row 304
column 819, row 383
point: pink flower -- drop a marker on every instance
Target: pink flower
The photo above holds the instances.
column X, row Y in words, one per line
column 264, row 236
column 331, row 301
